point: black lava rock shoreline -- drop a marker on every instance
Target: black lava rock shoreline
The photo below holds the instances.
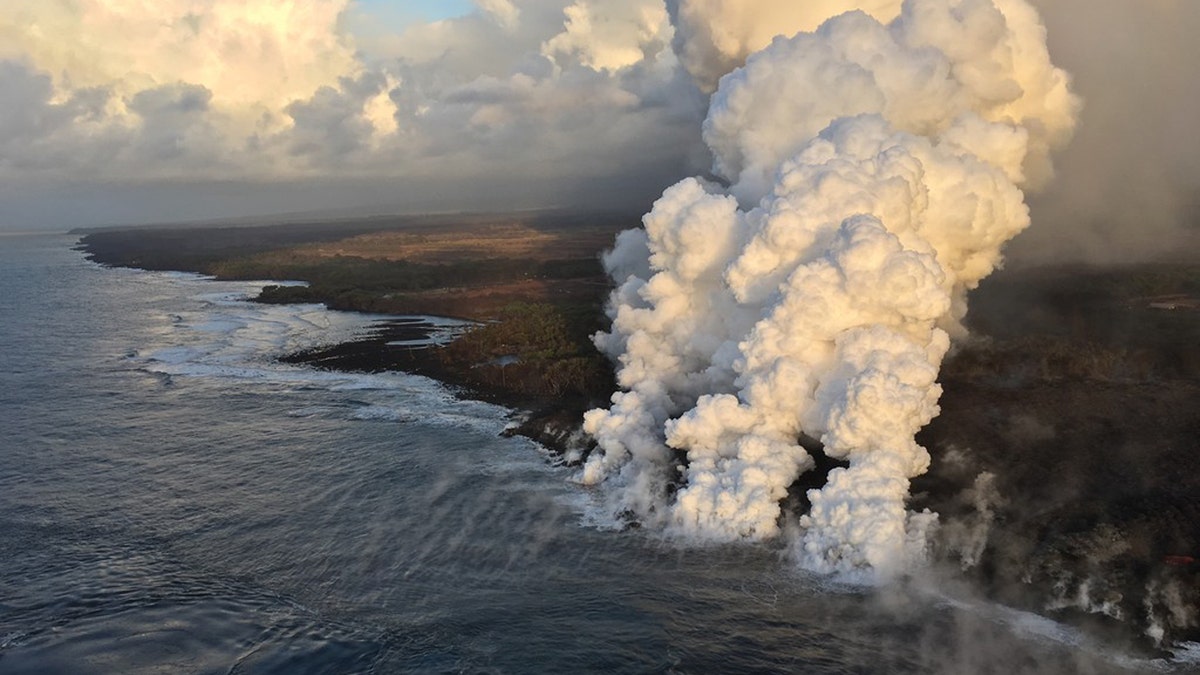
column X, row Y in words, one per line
column 410, row 345
column 1051, row 494
column 1067, row 478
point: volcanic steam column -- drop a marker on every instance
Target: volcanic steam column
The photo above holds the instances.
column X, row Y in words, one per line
column 873, row 176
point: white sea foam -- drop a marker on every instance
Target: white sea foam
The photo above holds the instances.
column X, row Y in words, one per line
column 183, row 276
column 220, row 334
column 442, row 330
column 11, row 640
column 1038, row 628
column 1187, row 653
column 383, row 413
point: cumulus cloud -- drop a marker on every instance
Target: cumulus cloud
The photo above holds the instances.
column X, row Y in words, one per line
column 503, row 11
column 254, row 57
column 555, row 92
column 612, row 34
column 181, row 89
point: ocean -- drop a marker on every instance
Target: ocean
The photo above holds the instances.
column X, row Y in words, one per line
column 173, row 500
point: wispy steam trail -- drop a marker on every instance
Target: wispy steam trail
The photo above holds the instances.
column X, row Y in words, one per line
column 875, row 172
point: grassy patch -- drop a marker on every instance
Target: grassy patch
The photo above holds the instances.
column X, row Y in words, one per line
column 534, row 348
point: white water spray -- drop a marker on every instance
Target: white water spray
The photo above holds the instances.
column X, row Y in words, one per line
column 874, row 172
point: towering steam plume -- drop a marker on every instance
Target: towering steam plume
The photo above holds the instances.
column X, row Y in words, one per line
column 873, row 176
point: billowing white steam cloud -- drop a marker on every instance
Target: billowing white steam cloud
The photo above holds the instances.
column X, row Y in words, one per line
column 715, row 36
column 873, row 174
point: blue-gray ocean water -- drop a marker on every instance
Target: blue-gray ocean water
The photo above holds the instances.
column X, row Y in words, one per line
column 173, row 501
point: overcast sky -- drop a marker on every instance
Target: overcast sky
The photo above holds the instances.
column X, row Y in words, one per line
column 207, row 109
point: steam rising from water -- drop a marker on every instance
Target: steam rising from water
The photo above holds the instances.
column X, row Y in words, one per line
column 874, row 173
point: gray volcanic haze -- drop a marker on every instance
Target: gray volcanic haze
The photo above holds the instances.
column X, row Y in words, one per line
column 204, row 110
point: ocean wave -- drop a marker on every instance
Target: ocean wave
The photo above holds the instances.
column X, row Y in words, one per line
column 220, row 334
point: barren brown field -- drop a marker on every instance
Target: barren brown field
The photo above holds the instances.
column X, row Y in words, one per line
column 486, row 303
column 470, row 241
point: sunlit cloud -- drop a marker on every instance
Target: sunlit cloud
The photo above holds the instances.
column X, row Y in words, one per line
column 551, row 94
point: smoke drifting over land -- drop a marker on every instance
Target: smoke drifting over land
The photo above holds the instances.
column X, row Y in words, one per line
column 874, row 174
column 1129, row 185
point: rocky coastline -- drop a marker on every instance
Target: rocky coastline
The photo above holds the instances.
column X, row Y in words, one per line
column 1066, row 458
column 553, row 422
